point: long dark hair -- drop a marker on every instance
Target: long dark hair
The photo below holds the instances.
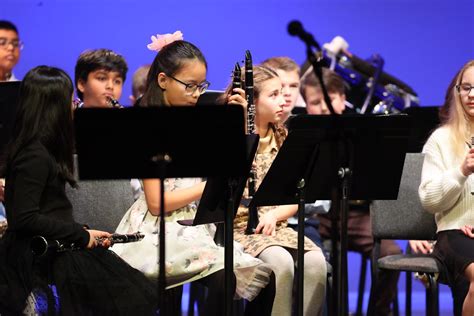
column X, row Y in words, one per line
column 44, row 114
column 168, row 60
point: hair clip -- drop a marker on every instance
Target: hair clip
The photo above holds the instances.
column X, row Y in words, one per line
column 161, row 40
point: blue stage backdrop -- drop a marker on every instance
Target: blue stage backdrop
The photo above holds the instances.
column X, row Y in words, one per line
column 423, row 42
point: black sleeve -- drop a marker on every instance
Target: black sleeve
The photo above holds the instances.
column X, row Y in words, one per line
column 29, row 177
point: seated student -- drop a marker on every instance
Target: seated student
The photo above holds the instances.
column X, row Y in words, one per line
column 10, row 47
column 427, row 246
column 359, row 229
column 289, row 73
column 274, row 242
column 99, row 78
column 178, row 77
column 446, row 188
column 90, row 280
column 139, row 83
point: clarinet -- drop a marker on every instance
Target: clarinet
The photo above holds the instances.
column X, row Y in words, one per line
column 253, row 211
column 40, row 245
column 236, row 78
column 113, row 103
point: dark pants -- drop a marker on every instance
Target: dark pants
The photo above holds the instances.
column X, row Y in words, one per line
column 359, row 233
column 214, row 301
column 215, row 298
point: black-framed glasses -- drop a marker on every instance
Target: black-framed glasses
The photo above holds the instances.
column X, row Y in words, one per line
column 190, row 88
column 4, row 42
column 464, row 88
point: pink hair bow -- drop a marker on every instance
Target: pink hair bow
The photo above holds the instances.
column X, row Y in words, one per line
column 161, row 40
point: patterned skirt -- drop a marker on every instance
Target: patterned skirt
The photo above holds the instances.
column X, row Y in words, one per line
column 256, row 243
column 191, row 252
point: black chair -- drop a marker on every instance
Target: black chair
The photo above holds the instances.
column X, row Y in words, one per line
column 101, row 204
column 405, row 219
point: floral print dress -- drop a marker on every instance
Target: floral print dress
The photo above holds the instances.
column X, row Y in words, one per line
column 191, row 252
column 285, row 236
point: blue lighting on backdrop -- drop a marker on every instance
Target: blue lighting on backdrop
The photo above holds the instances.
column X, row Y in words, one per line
column 423, row 42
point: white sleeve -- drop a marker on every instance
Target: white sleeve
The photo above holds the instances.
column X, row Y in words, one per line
column 441, row 186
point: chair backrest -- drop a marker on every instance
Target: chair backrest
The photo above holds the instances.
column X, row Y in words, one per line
column 404, row 218
column 101, row 204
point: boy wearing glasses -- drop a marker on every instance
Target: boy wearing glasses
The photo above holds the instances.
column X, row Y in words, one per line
column 99, row 78
column 10, row 46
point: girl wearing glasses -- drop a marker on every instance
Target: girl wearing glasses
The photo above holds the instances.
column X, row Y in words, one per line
column 446, row 188
column 177, row 77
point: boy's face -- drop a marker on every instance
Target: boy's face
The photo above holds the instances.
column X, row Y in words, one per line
column 101, row 85
column 291, row 89
column 315, row 101
column 9, row 54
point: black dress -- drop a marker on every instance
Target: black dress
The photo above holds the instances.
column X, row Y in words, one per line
column 88, row 282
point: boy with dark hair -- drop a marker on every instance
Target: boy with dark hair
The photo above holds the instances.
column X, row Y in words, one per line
column 99, row 77
column 313, row 95
column 10, row 47
column 359, row 231
column 139, row 83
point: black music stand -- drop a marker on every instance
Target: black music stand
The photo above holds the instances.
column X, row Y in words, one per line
column 210, row 97
column 426, row 120
column 218, row 199
column 213, row 204
column 9, row 94
column 337, row 158
column 161, row 142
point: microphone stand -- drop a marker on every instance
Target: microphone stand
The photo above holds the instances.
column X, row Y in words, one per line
column 339, row 262
column 378, row 62
column 317, row 63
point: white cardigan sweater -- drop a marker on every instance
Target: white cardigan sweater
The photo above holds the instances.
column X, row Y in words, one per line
column 444, row 190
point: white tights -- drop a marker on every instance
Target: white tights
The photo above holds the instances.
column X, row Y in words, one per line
column 282, row 261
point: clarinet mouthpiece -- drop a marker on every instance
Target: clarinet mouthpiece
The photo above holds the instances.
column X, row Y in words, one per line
column 113, row 103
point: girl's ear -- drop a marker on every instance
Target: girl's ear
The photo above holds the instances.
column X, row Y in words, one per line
column 162, row 80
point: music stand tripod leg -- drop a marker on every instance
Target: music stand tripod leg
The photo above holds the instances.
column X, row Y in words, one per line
column 300, row 252
column 229, row 251
column 344, row 174
column 162, row 161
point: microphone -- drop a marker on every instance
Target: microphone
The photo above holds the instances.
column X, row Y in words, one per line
column 295, row 28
